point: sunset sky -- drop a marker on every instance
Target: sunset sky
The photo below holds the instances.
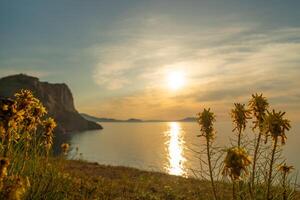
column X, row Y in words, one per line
column 157, row 59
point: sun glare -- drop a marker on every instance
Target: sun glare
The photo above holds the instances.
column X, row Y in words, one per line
column 175, row 148
column 175, row 80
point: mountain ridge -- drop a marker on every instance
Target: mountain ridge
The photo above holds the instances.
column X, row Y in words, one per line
column 104, row 119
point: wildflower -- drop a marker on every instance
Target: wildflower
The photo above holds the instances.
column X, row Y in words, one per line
column 19, row 115
column 30, row 105
column 258, row 105
column 39, row 110
column 275, row 125
column 17, row 188
column 206, row 120
column 237, row 160
column 285, row 169
column 5, row 107
column 49, row 125
column 240, row 115
column 2, row 130
column 4, row 162
column 65, row 147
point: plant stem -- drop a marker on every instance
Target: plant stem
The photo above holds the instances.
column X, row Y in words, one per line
column 271, row 169
column 239, row 137
column 233, row 190
column 254, row 161
column 239, row 145
column 284, row 186
column 210, row 169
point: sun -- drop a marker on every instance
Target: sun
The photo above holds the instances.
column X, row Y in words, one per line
column 175, row 80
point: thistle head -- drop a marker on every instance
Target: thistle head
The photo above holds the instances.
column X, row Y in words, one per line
column 206, row 120
column 240, row 115
column 275, row 125
column 237, row 160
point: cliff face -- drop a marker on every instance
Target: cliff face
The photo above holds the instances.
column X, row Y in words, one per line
column 57, row 98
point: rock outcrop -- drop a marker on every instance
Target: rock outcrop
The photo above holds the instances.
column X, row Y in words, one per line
column 57, row 98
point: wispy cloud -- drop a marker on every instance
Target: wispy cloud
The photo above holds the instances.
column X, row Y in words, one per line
column 222, row 65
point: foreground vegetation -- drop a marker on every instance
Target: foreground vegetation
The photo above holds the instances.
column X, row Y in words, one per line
column 269, row 177
column 28, row 171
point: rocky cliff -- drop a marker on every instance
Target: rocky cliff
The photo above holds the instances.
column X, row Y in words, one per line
column 57, row 98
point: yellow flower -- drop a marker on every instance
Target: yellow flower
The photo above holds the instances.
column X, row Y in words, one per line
column 275, row 125
column 240, row 115
column 49, row 124
column 65, row 148
column 4, row 107
column 237, row 160
column 206, row 121
column 4, row 162
column 285, row 169
column 258, row 105
column 17, row 189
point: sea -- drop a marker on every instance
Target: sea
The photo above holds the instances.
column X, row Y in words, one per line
column 170, row 147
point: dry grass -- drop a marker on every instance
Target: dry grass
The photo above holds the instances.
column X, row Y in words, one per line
column 117, row 182
column 111, row 182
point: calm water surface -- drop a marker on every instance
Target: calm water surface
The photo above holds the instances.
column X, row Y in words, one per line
column 165, row 147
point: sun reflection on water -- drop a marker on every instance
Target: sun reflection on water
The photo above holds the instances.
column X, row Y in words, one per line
column 175, row 150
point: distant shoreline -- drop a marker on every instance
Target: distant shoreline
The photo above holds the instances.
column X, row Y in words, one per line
column 133, row 120
column 144, row 121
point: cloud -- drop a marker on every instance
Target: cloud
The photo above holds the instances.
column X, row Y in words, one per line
column 222, row 65
column 155, row 45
